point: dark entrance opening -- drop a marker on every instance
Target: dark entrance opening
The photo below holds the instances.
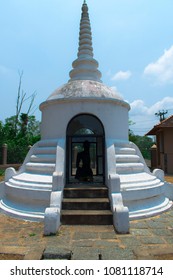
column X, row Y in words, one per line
column 82, row 129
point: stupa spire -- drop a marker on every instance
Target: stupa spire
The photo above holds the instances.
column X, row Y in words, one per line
column 85, row 67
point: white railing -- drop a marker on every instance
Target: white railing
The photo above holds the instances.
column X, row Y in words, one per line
column 53, row 213
column 120, row 212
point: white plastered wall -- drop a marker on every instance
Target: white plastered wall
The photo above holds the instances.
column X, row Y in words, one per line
column 56, row 116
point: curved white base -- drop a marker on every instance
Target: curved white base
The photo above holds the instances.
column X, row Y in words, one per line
column 27, row 192
column 148, row 208
column 21, row 212
column 143, row 192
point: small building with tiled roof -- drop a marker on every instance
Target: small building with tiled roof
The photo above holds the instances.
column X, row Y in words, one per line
column 164, row 142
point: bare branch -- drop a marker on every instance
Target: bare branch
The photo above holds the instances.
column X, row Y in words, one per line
column 21, row 99
column 18, row 94
column 34, row 108
column 31, row 103
column 21, row 102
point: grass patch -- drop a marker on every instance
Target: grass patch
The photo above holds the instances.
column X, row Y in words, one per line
column 32, row 234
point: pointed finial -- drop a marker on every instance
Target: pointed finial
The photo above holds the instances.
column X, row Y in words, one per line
column 85, row 67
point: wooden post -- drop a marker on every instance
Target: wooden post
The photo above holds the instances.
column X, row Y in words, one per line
column 153, row 157
column 4, row 154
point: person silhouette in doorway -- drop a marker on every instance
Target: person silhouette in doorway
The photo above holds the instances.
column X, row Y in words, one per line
column 84, row 171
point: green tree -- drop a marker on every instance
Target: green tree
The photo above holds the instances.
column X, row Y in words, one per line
column 144, row 143
column 19, row 137
column 22, row 129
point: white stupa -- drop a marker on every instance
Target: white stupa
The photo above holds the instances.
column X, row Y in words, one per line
column 84, row 109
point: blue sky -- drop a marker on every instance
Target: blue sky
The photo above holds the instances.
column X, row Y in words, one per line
column 132, row 41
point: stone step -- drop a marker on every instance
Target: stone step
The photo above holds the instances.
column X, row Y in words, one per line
column 122, row 168
column 26, row 195
column 43, row 158
column 86, row 204
column 127, row 158
column 85, row 192
column 137, row 193
column 123, row 144
column 141, row 178
column 150, row 207
column 44, row 168
column 48, row 143
column 140, row 184
column 125, row 150
column 88, row 185
column 45, row 150
column 27, row 177
column 86, row 217
column 21, row 211
column 29, row 185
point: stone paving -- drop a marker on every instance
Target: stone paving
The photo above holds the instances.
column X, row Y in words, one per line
column 150, row 238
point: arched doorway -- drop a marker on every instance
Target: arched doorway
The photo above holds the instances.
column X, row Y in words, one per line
column 81, row 129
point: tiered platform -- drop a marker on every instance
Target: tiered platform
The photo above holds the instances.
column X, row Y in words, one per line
column 143, row 193
column 27, row 193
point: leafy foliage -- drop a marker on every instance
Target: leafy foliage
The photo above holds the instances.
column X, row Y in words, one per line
column 21, row 130
column 19, row 136
column 144, row 143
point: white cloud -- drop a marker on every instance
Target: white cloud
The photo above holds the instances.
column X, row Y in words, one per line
column 162, row 69
column 139, row 107
column 144, row 117
column 121, row 75
column 164, row 104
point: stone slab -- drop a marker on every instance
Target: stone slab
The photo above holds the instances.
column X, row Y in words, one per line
column 26, row 253
column 35, row 253
column 154, row 252
column 85, row 235
column 13, row 250
column 117, row 254
column 57, row 253
column 85, row 254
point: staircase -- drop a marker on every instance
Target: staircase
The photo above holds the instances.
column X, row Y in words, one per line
column 142, row 191
column 86, row 205
column 27, row 194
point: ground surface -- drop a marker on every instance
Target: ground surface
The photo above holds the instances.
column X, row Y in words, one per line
column 150, row 238
column 169, row 178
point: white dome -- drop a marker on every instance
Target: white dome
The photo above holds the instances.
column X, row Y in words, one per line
column 84, row 89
